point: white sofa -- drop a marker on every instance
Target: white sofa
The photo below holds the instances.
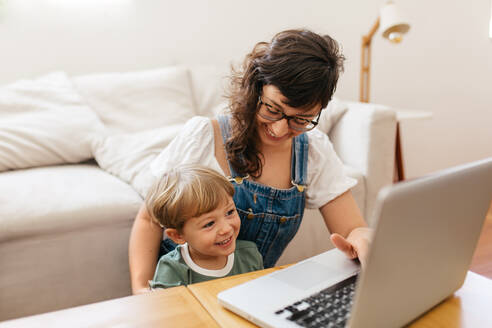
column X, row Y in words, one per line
column 65, row 218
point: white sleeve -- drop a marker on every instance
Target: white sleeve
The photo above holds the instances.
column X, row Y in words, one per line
column 194, row 144
column 326, row 177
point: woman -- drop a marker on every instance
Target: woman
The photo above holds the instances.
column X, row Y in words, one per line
column 267, row 147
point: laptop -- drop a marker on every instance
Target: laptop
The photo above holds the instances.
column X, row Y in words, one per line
column 425, row 236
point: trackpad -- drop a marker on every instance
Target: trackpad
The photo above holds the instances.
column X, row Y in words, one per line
column 305, row 275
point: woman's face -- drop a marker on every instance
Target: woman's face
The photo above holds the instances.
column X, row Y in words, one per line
column 278, row 133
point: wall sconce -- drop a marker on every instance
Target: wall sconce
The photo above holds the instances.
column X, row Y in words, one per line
column 392, row 28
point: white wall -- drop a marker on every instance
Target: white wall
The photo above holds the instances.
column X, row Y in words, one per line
column 444, row 65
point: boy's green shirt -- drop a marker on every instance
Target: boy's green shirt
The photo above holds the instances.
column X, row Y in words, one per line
column 172, row 270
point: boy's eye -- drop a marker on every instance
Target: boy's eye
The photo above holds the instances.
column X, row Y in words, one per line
column 230, row 212
column 209, row 224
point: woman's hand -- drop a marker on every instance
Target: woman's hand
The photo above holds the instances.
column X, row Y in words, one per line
column 356, row 245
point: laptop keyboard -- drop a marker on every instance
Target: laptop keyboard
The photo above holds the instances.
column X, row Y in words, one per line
column 328, row 308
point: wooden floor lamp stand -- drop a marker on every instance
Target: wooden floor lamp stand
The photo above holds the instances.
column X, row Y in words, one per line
column 364, row 96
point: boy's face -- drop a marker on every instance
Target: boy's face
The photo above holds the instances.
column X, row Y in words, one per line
column 212, row 234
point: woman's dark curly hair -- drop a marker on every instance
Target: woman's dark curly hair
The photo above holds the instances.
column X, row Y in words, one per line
column 303, row 65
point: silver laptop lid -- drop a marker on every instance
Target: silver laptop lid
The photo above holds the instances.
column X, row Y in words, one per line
column 426, row 234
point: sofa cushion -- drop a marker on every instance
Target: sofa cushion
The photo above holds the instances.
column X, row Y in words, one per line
column 331, row 115
column 209, row 87
column 128, row 156
column 44, row 121
column 56, row 199
column 140, row 100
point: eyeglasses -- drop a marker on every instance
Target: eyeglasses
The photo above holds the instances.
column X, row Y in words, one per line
column 268, row 112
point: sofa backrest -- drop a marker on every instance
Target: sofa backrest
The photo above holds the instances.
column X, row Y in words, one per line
column 209, row 85
column 139, row 100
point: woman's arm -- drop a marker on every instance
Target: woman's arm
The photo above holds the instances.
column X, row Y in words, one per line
column 350, row 233
column 145, row 240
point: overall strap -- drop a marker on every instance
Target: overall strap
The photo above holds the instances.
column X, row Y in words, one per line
column 225, row 129
column 300, row 148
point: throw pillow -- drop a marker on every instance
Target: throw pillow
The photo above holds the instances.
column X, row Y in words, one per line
column 44, row 121
column 141, row 100
column 129, row 155
column 209, row 85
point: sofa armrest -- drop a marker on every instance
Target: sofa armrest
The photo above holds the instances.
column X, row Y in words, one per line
column 364, row 138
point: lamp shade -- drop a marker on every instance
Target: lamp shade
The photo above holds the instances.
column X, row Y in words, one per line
column 392, row 25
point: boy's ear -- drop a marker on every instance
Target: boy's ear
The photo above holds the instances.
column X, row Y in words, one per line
column 175, row 235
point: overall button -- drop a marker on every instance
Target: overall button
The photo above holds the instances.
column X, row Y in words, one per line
column 250, row 214
column 283, row 219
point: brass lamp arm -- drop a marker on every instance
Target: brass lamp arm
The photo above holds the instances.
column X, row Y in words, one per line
column 366, row 62
column 366, row 39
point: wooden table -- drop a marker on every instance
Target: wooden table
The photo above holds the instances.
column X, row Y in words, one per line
column 174, row 307
column 469, row 307
column 197, row 306
column 206, row 293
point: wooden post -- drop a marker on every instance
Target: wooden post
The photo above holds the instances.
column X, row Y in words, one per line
column 365, row 74
column 365, row 67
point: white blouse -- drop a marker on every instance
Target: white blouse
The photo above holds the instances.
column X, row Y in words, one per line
column 195, row 144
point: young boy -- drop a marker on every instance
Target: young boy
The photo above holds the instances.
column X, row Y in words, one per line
column 195, row 207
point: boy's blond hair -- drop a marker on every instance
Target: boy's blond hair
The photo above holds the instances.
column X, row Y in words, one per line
column 184, row 192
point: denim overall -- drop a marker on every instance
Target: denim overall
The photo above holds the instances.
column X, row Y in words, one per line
column 270, row 217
